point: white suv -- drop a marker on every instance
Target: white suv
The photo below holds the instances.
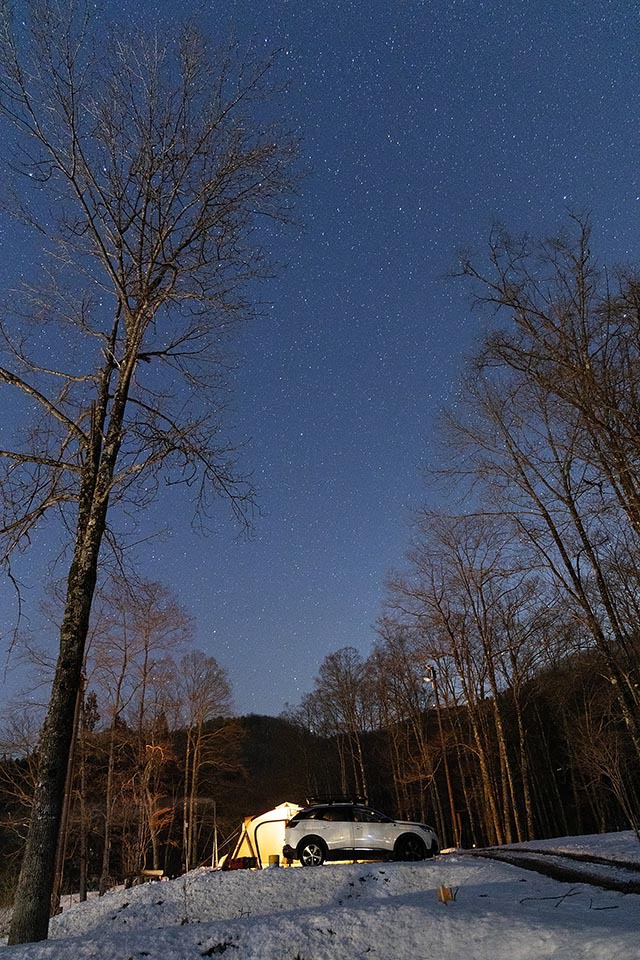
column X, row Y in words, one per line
column 351, row 831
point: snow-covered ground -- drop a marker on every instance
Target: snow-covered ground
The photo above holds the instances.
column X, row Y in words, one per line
column 622, row 846
column 349, row 912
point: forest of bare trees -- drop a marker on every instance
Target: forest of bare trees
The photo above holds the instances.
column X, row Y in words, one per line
column 504, row 684
column 154, row 733
column 500, row 698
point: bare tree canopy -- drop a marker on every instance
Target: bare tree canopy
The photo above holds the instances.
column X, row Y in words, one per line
column 156, row 169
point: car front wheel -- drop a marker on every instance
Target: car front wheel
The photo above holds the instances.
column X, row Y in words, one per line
column 410, row 848
column 311, row 852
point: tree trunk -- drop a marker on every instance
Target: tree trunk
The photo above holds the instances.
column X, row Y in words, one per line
column 108, row 813
column 455, row 832
column 30, row 920
column 492, row 816
column 192, row 832
column 84, row 826
column 185, row 803
column 472, row 839
column 437, row 809
column 362, row 789
column 524, row 772
column 63, row 832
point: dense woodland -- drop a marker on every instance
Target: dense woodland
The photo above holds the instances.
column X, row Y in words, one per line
column 545, row 757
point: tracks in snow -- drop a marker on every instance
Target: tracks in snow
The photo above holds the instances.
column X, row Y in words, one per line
column 608, row 874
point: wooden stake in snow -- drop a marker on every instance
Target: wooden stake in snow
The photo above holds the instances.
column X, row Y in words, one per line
column 447, row 894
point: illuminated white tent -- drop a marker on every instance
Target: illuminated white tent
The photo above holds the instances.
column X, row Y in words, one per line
column 262, row 837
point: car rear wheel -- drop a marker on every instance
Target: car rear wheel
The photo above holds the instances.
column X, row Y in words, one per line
column 311, row 852
column 410, row 848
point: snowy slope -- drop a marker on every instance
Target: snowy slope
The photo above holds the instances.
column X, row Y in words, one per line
column 622, row 846
column 348, row 912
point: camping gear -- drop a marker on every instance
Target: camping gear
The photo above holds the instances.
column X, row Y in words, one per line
column 261, row 838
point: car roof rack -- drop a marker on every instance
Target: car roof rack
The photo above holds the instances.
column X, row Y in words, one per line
column 335, row 798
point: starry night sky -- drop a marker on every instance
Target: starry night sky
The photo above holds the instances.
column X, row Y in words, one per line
column 422, row 124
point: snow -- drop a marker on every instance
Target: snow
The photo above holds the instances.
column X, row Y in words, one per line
column 621, row 846
column 354, row 911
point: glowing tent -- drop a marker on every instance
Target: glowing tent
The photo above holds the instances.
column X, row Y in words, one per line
column 261, row 838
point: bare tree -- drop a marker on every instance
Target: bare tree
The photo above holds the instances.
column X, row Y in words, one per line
column 399, row 672
column 141, row 624
column 602, row 752
column 18, row 740
column 338, row 701
column 156, row 171
column 433, row 598
column 206, row 695
column 554, row 412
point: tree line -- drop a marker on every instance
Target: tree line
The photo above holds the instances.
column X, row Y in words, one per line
column 506, row 671
column 483, row 708
column 153, row 729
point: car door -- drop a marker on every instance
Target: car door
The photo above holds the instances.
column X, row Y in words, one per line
column 372, row 831
column 335, row 826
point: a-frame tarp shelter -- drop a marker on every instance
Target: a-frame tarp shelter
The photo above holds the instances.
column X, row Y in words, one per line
column 262, row 837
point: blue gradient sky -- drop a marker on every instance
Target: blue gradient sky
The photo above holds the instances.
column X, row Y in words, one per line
column 422, row 124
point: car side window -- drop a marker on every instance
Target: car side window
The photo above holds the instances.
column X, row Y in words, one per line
column 319, row 813
column 333, row 814
column 370, row 816
column 367, row 816
column 338, row 814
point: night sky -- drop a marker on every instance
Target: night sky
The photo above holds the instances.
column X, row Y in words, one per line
column 422, row 124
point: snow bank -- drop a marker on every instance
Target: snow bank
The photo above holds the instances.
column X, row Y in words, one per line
column 349, row 912
column 623, row 846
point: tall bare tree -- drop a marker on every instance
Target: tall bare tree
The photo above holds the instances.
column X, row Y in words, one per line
column 141, row 624
column 398, row 670
column 556, row 393
column 206, row 695
column 155, row 170
column 339, row 697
